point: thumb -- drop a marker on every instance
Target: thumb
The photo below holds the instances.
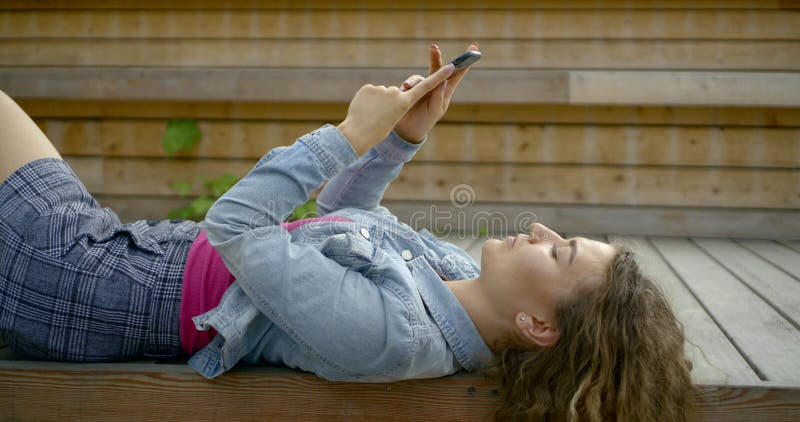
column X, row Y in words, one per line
column 432, row 81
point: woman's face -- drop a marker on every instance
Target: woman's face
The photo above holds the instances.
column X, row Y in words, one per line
column 532, row 272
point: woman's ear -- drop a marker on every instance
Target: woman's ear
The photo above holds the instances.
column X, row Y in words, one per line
column 535, row 331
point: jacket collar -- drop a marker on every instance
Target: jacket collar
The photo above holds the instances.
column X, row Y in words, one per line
column 457, row 327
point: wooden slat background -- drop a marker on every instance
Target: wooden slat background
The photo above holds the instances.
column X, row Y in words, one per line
column 666, row 110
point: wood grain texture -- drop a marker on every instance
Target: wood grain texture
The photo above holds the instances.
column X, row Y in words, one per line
column 790, row 243
column 559, row 54
column 783, row 258
column 404, row 24
column 768, row 341
column 482, row 87
column 157, row 392
column 778, row 288
column 708, row 88
column 652, row 220
column 459, row 143
column 714, row 358
column 768, row 117
column 490, row 182
column 275, row 85
column 406, row 5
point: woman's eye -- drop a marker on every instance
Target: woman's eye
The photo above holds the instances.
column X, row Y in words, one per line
column 553, row 252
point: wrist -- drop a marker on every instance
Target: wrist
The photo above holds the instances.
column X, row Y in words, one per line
column 352, row 135
column 413, row 138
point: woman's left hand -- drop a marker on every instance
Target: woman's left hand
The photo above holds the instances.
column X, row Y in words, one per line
column 421, row 118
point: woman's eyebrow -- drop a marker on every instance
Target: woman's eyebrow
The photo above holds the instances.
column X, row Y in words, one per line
column 573, row 244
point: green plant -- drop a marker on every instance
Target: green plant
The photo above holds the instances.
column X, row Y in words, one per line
column 183, row 134
column 212, row 190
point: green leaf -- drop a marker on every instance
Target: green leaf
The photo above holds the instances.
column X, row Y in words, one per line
column 184, row 213
column 183, row 188
column 306, row 210
column 221, row 184
column 181, row 134
column 201, row 205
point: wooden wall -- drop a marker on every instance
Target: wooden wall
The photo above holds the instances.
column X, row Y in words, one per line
column 646, row 117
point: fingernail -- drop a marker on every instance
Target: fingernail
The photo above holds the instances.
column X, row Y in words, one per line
column 435, row 46
column 449, row 68
column 408, row 82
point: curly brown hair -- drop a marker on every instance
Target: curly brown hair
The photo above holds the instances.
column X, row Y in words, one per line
column 620, row 357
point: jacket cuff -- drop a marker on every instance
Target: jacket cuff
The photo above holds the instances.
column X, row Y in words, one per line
column 395, row 148
column 331, row 148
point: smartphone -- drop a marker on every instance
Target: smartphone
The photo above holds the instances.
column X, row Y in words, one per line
column 466, row 59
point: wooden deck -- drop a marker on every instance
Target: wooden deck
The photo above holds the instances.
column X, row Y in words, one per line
column 738, row 299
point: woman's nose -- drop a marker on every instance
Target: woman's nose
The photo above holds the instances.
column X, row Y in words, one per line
column 540, row 232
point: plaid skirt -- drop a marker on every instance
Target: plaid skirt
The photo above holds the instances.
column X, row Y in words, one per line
column 78, row 285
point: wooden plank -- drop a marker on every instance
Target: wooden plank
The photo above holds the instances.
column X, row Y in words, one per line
column 276, row 85
column 469, row 113
column 793, row 244
column 633, row 55
column 104, row 391
column 714, row 358
column 404, row 24
column 707, row 88
column 461, row 143
column 406, row 5
column 769, row 342
column 483, row 86
column 780, row 256
column 234, row 394
column 779, row 289
column 664, row 221
column 586, row 184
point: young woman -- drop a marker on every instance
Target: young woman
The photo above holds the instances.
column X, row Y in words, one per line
column 570, row 327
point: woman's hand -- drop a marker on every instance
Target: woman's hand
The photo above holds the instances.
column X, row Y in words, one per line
column 375, row 110
column 427, row 111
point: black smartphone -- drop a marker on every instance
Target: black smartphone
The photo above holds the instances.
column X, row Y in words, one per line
column 466, row 59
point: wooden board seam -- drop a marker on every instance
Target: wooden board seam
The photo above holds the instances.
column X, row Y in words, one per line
column 702, row 304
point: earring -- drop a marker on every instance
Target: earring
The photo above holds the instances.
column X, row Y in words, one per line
column 522, row 318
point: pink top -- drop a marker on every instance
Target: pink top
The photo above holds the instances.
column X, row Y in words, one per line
column 205, row 279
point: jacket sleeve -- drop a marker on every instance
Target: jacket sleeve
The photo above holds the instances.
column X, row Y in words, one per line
column 338, row 317
column 362, row 184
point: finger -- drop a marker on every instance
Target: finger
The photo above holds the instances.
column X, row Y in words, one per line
column 436, row 59
column 454, row 80
column 411, row 81
column 437, row 97
column 426, row 85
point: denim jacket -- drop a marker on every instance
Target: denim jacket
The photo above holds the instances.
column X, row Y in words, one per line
column 359, row 300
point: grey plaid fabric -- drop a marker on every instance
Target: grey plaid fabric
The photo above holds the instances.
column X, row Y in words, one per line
column 78, row 285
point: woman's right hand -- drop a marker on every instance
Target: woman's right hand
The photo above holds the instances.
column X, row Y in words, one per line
column 375, row 110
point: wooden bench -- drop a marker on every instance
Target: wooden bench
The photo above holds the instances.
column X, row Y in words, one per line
column 648, row 119
column 739, row 301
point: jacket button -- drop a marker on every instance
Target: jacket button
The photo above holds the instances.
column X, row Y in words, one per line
column 365, row 232
column 406, row 254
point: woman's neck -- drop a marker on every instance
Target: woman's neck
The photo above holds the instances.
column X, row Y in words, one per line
column 472, row 297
